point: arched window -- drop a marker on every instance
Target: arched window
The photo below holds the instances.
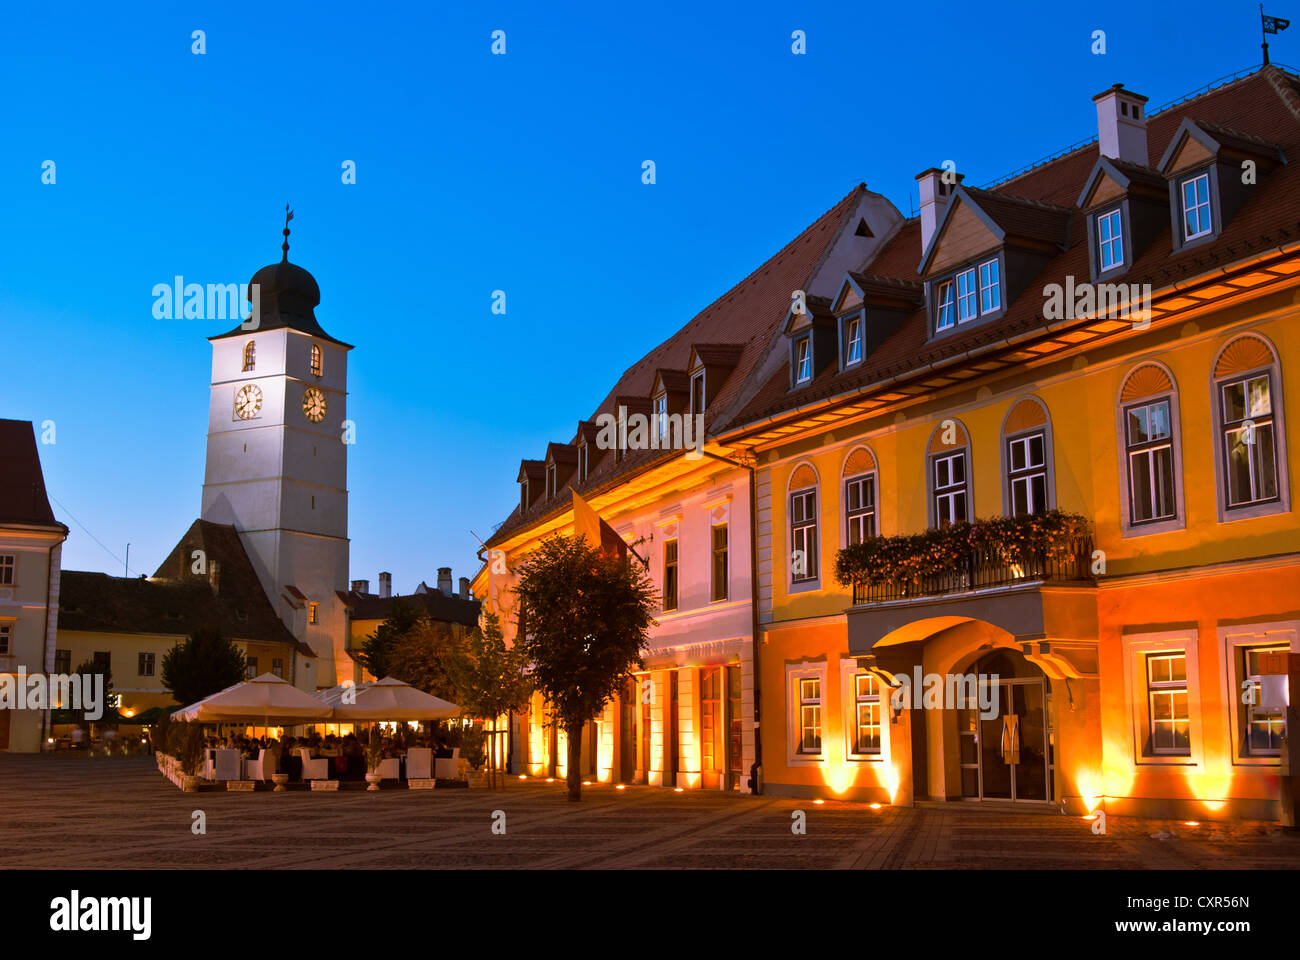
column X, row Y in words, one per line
column 948, row 474
column 1027, row 459
column 859, row 502
column 1251, row 460
column 803, row 525
column 315, row 360
column 250, row 355
column 1151, row 461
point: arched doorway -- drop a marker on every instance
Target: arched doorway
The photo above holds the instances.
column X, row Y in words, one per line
column 1006, row 743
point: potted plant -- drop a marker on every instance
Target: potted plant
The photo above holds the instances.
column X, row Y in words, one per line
column 191, row 757
column 374, row 756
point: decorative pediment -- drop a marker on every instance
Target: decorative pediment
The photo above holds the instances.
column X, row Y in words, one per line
column 818, row 312
column 1112, row 179
column 849, row 297
column 715, row 355
column 1196, row 143
column 976, row 222
column 671, row 382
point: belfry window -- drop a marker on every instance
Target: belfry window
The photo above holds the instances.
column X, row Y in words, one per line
column 316, row 362
column 250, row 355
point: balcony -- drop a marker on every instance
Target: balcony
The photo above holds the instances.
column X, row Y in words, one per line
column 961, row 558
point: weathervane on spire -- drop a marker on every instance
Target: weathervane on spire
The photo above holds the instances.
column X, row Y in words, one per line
column 1269, row 25
column 288, row 215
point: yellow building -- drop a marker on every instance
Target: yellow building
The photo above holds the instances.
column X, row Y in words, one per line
column 31, row 542
column 1113, row 334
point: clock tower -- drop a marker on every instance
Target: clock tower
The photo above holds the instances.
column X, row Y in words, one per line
column 277, row 460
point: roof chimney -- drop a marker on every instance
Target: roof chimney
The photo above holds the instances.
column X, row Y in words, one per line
column 444, row 581
column 464, row 588
column 361, row 587
column 1122, row 124
column 935, row 193
column 385, row 584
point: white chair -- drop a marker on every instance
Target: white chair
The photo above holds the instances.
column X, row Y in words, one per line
column 261, row 768
column 445, row 768
column 390, row 769
column 209, row 764
column 419, row 763
column 317, row 769
column 228, row 763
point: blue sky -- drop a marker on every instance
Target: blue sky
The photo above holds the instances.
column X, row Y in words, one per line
column 475, row 173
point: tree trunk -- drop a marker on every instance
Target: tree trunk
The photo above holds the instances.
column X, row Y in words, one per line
column 574, row 771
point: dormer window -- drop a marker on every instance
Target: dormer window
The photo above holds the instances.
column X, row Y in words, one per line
column 970, row 293
column 523, row 495
column 250, row 355
column 944, row 316
column 1110, row 239
column 660, row 411
column 1196, row 206
column 966, row 296
column 316, row 365
column 697, row 393
column 853, row 341
column 990, row 287
column 550, row 482
column 582, row 462
column 803, row 361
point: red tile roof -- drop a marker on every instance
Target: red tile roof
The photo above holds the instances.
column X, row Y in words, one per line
column 1263, row 105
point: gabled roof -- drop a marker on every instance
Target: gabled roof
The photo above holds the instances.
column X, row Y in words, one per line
column 1215, row 137
column 562, row 453
column 434, row 604
column 531, row 469
column 1005, row 216
column 176, row 600
column 23, row 499
column 1264, row 104
column 1124, row 174
column 733, row 331
column 671, row 381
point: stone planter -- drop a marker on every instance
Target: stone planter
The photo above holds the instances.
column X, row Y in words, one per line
column 476, row 778
column 189, row 784
column 373, row 780
column 325, row 785
column 279, row 779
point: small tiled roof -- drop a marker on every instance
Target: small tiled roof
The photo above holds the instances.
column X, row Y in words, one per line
column 22, row 484
column 1263, row 105
column 176, row 600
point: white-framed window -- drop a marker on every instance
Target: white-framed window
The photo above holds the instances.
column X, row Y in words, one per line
column 719, row 572
column 945, row 315
column 1248, row 442
column 803, row 535
column 967, row 308
column 8, row 569
column 250, row 667
column 803, row 361
column 1196, row 206
column 7, row 639
column 277, row 667
column 1168, row 706
column 670, row 575
column 1110, row 240
column 697, row 393
column 867, row 715
column 145, row 664
column 990, row 287
column 523, row 495
column 1149, row 448
column 1027, row 473
column 1264, row 725
column 582, row 461
column 660, row 412
column 950, row 493
column 860, row 507
column 250, row 355
column 810, row 715
column 853, row 341
column 1256, row 676
column 550, row 481
column 317, row 361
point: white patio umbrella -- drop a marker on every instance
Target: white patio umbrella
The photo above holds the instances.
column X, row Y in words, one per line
column 266, row 699
column 386, row 699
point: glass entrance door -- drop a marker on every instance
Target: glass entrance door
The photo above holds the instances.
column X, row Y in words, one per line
column 1008, row 756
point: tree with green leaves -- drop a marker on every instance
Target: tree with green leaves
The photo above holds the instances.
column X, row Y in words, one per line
column 82, row 717
column 202, row 665
column 422, row 657
column 377, row 649
column 587, row 615
column 491, row 679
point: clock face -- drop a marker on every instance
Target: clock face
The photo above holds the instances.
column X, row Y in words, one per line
column 313, row 404
column 248, row 401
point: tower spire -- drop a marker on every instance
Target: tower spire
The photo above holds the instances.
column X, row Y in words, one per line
column 288, row 215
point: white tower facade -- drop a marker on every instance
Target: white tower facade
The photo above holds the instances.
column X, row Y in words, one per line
column 277, row 463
